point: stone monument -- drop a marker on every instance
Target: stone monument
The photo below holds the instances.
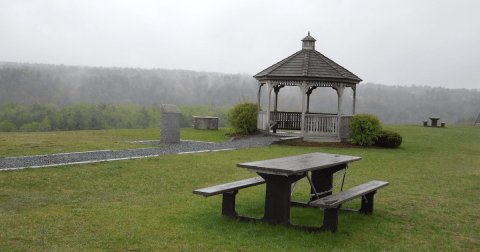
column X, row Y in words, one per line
column 170, row 124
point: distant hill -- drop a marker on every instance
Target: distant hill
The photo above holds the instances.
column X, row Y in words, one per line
column 27, row 83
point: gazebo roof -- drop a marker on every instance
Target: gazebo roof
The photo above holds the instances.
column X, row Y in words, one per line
column 308, row 64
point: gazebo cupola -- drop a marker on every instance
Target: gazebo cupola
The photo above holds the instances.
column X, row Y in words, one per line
column 308, row 42
column 309, row 70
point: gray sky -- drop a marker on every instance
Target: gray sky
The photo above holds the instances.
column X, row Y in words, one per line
column 434, row 43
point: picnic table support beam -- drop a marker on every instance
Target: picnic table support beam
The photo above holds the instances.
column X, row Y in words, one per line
column 277, row 198
column 367, row 203
column 228, row 204
column 322, row 180
column 330, row 219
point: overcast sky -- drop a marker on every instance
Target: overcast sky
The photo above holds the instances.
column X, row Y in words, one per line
column 433, row 43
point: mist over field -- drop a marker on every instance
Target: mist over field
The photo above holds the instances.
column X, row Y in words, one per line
column 61, row 86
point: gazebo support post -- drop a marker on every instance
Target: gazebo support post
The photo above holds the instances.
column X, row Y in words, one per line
column 303, row 89
column 340, row 89
column 259, row 94
column 276, row 89
column 354, row 88
column 309, row 92
column 270, row 88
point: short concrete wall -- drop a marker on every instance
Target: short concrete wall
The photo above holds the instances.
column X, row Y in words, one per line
column 205, row 123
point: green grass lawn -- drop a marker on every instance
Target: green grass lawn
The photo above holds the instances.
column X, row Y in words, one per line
column 431, row 204
column 13, row 144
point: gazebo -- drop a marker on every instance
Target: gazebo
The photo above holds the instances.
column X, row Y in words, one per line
column 307, row 69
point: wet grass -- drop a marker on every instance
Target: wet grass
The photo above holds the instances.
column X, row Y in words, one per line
column 147, row 204
column 14, row 144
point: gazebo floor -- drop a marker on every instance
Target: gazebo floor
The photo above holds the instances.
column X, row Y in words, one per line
column 325, row 139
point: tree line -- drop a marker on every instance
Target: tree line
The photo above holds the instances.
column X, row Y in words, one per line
column 83, row 116
column 61, row 87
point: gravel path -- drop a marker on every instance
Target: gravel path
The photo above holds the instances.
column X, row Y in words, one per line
column 14, row 163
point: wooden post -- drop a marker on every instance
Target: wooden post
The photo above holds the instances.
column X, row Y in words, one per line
column 259, row 94
column 309, row 92
column 354, row 88
column 270, row 87
column 340, row 89
column 303, row 89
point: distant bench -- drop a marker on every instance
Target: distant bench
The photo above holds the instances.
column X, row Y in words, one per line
column 332, row 203
column 229, row 190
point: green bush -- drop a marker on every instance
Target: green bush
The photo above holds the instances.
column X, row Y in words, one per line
column 7, row 126
column 30, row 127
column 45, row 125
column 364, row 129
column 388, row 139
column 186, row 121
column 243, row 118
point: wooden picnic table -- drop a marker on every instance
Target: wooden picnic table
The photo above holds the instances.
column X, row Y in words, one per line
column 434, row 121
column 280, row 173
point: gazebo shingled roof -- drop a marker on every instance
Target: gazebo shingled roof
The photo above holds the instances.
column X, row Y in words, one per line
column 308, row 64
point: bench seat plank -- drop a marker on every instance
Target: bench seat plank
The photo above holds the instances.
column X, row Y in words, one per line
column 341, row 197
column 232, row 186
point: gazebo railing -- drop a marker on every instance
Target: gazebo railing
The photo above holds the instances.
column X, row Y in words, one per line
column 321, row 124
column 315, row 124
column 287, row 120
column 262, row 120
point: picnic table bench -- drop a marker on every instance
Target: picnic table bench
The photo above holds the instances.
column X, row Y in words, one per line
column 331, row 204
column 229, row 191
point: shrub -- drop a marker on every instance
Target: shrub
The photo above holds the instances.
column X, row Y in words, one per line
column 388, row 139
column 7, row 126
column 30, row 127
column 45, row 125
column 364, row 129
column 186, row 121
column 243, row 118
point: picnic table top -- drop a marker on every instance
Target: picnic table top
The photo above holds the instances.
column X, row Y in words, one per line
column 297, row 164
column 434, row 118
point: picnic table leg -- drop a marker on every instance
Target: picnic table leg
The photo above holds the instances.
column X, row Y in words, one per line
column 277, row 198
column 330, row 219
column 322, row 180
column 367, row 203
column 228, row 204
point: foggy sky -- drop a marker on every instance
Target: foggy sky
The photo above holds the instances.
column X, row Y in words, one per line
column 434, row 43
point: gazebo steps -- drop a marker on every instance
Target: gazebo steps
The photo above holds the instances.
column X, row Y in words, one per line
column 325, row 139
column 322, row 139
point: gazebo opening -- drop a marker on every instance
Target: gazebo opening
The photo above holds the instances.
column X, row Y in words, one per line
column 306, row 75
